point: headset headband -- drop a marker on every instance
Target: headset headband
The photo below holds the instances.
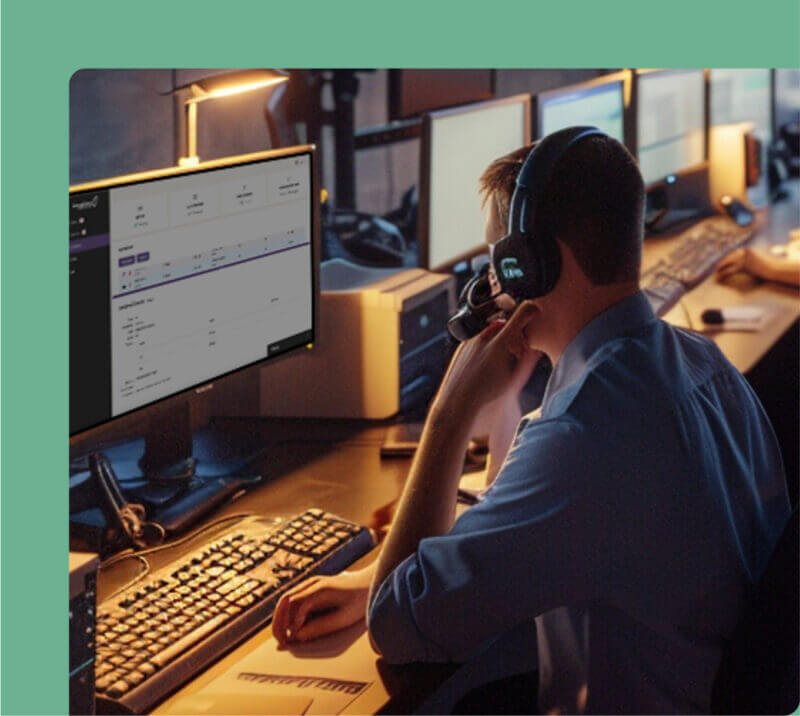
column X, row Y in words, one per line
column 526, row 267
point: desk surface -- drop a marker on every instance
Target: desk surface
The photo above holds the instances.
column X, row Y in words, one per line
column 331, row 464
column 336, row 465
column 743, row 349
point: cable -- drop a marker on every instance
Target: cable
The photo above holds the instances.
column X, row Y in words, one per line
column 686, row 313
column 167, row 545
column 133, row 581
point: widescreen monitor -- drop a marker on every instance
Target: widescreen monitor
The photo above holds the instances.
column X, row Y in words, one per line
column 599, row 103
column 670, row 122
column 182, row 276
column 457, row 146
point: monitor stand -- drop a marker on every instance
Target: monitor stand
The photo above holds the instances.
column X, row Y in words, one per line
column 176, row 474
column 168, row 447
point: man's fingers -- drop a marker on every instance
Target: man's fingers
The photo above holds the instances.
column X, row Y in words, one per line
column 512, row 332
column 287, row 605
column 492, row 330
column 728, row 269
column 279, row 620
column 322, row 599
column 324, row 624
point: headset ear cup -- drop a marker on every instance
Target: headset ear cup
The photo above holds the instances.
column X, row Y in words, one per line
column 516, row 267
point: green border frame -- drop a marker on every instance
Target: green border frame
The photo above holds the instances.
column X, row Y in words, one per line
column 44, row 43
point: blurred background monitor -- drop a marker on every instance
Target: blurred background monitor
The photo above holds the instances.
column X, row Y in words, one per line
column 742, row 95
column 670, row 122
column 600, row 103
column 414, row 92
column 457, row 146
column 787, row 96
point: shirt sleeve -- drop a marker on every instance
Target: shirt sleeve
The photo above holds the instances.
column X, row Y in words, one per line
column 533, row 544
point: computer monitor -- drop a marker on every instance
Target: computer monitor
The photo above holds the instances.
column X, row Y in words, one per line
column 742, row 95
column 457, row 146
column 786, row 96
column 414, row 92
column 599, row 103
column 182, row 276
column 671, row 122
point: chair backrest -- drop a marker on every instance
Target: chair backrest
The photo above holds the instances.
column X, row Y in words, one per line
column 760, row 672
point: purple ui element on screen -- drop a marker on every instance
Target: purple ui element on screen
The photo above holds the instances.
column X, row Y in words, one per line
column 88, row 243
column 142, row 257
column 127, row 260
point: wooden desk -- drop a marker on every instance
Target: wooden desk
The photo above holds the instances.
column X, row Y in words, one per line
column 336, row 465
column 744, row 350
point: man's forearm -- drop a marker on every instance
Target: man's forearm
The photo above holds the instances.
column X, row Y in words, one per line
column 427, row 507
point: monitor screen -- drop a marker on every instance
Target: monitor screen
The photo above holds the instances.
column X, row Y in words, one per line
column 787, row 96
column 413, row 92
column 177, row 280
column 601, row 106
column 458, row 145
column 670, row 122
column 742, row 96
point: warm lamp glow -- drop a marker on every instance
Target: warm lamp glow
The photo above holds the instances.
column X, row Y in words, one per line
column 727, row 160
column 224, row 85
column 235, row 89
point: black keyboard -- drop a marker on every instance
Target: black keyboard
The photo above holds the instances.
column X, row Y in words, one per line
column 155, row 636
column 663, row 291
column 698, row 252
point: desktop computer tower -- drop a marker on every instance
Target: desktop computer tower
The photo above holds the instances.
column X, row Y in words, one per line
column 381, row 349
column 82, row 603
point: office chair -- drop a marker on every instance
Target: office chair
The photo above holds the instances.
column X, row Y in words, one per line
column 760, row 672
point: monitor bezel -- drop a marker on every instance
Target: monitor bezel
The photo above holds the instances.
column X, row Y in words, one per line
column 700, row 167
column 423, row 220
column 622, row 76
column 134, row 421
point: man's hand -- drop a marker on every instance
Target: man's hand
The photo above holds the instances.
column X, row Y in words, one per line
column 321, row 605
column 734, row 262
column 491, row 364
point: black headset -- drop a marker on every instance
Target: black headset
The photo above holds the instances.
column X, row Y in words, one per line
column 526, row 261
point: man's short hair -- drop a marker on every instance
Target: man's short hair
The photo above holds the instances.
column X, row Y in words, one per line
column 594, row 203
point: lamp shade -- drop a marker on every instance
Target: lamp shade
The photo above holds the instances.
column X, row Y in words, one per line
column 235, row 82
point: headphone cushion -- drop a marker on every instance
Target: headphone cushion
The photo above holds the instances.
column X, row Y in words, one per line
column 523, row 270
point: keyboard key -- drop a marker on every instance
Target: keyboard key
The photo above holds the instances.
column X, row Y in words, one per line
column 118, row 688
column 102, row 670
column 167, row 616
column 103, row 683
column 134, row 677
column 147, row 668
column 246, row 601
column 187, row 641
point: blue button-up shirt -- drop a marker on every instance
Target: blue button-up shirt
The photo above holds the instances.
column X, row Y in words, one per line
column 629, row 521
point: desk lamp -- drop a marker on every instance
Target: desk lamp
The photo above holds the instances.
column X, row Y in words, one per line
column 223, row 85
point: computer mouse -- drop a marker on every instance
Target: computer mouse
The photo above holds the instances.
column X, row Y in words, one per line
column 736, row 210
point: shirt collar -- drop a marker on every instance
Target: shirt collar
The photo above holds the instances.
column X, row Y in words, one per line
column 620, row 319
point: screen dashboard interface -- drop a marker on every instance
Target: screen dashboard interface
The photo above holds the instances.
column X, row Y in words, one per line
column 742, row 95
column 670, row 122
column 600, row 107
column 462, row 145
column 176, row 281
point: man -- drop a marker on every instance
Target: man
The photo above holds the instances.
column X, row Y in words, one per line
column 628, row 520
